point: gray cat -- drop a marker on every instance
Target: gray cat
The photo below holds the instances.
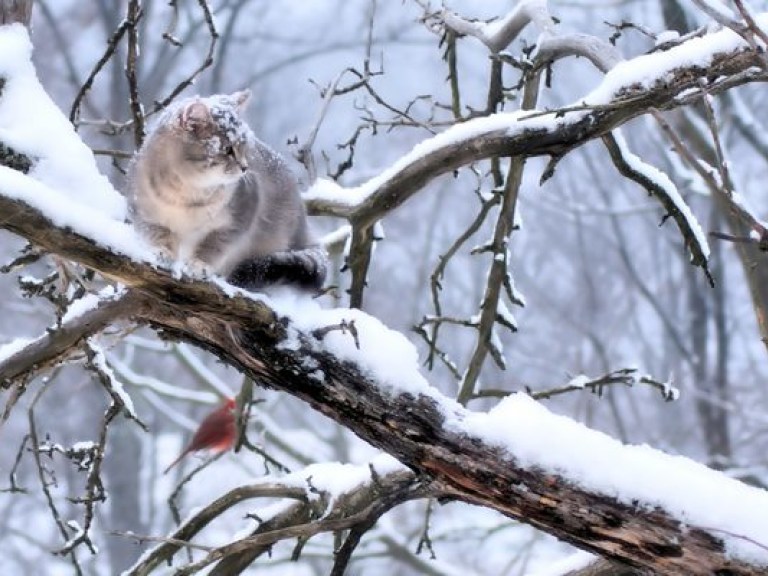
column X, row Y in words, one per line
column 207, row 192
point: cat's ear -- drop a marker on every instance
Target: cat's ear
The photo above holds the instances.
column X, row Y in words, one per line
column 195, row 114
column 240, row 100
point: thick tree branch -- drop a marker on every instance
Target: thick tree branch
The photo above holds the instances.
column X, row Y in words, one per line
column 517, row 134
column 12, row 11
column 499, row 34
column 410, row 426
column 57, row 344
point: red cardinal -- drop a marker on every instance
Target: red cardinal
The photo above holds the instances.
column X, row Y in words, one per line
column 216, row 432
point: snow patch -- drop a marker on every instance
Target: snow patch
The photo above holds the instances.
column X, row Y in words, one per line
column 90, row 302
column 538, row 438
column 13, row 347
column 31, row 123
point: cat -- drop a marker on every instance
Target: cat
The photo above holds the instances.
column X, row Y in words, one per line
column 206, row 192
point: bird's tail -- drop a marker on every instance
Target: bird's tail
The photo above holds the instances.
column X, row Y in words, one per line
column 176, row 461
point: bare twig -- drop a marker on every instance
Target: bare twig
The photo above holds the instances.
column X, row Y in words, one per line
column 133, row 17
column 13, row 487
column 206, row 63
column 170, row 31
column 42, row 472
column 342, row 327
column 142, row 538
column 109, row 52
column 487, row 203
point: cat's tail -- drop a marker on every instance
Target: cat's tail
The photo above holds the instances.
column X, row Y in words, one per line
column 305, row 269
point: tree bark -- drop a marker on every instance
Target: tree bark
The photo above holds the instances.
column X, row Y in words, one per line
column 12, row 11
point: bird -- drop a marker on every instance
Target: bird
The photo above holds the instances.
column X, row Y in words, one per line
column 216, row 432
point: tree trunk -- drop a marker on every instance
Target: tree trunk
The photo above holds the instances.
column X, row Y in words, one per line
column 12, row 11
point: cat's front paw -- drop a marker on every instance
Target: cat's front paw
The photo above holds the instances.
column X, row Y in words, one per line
column 196, row 267
column 165, row 258
column 179, row 266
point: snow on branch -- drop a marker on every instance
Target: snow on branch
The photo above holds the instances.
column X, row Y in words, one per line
column 329, row 496
column 32, row 126
column 660, row 186
column 499, row 34
column 21, row 360
column 660, row 80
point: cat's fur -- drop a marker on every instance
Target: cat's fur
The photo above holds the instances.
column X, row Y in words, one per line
column 207, row 192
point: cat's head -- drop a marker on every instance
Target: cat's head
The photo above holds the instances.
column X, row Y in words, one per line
column 213, row 138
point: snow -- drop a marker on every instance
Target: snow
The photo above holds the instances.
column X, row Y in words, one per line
column 327, row 191
column 64, row 182
column 341, row 234
column 83, row 446
column 89, row 221
column 667, row 36
column 537, row 438
column 671, row 392
column 90, row 302
column 224, row 108
column 334, row 479
column 663, row 181
column 579, row 381
column 572, row 563
column 516, row 296
column 505, row 316
column 12, row 347
column 32, row 124
column 100, row 361
column 384, row 354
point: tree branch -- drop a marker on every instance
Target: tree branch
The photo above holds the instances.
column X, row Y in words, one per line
column 57, row 344
column 551, row 133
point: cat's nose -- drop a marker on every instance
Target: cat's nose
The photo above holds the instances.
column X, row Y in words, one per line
column 243, row 166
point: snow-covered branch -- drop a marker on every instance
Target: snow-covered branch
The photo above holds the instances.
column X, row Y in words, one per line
column 327, row 497
column 499, row 34
column 661, row 81
column 21, row 360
